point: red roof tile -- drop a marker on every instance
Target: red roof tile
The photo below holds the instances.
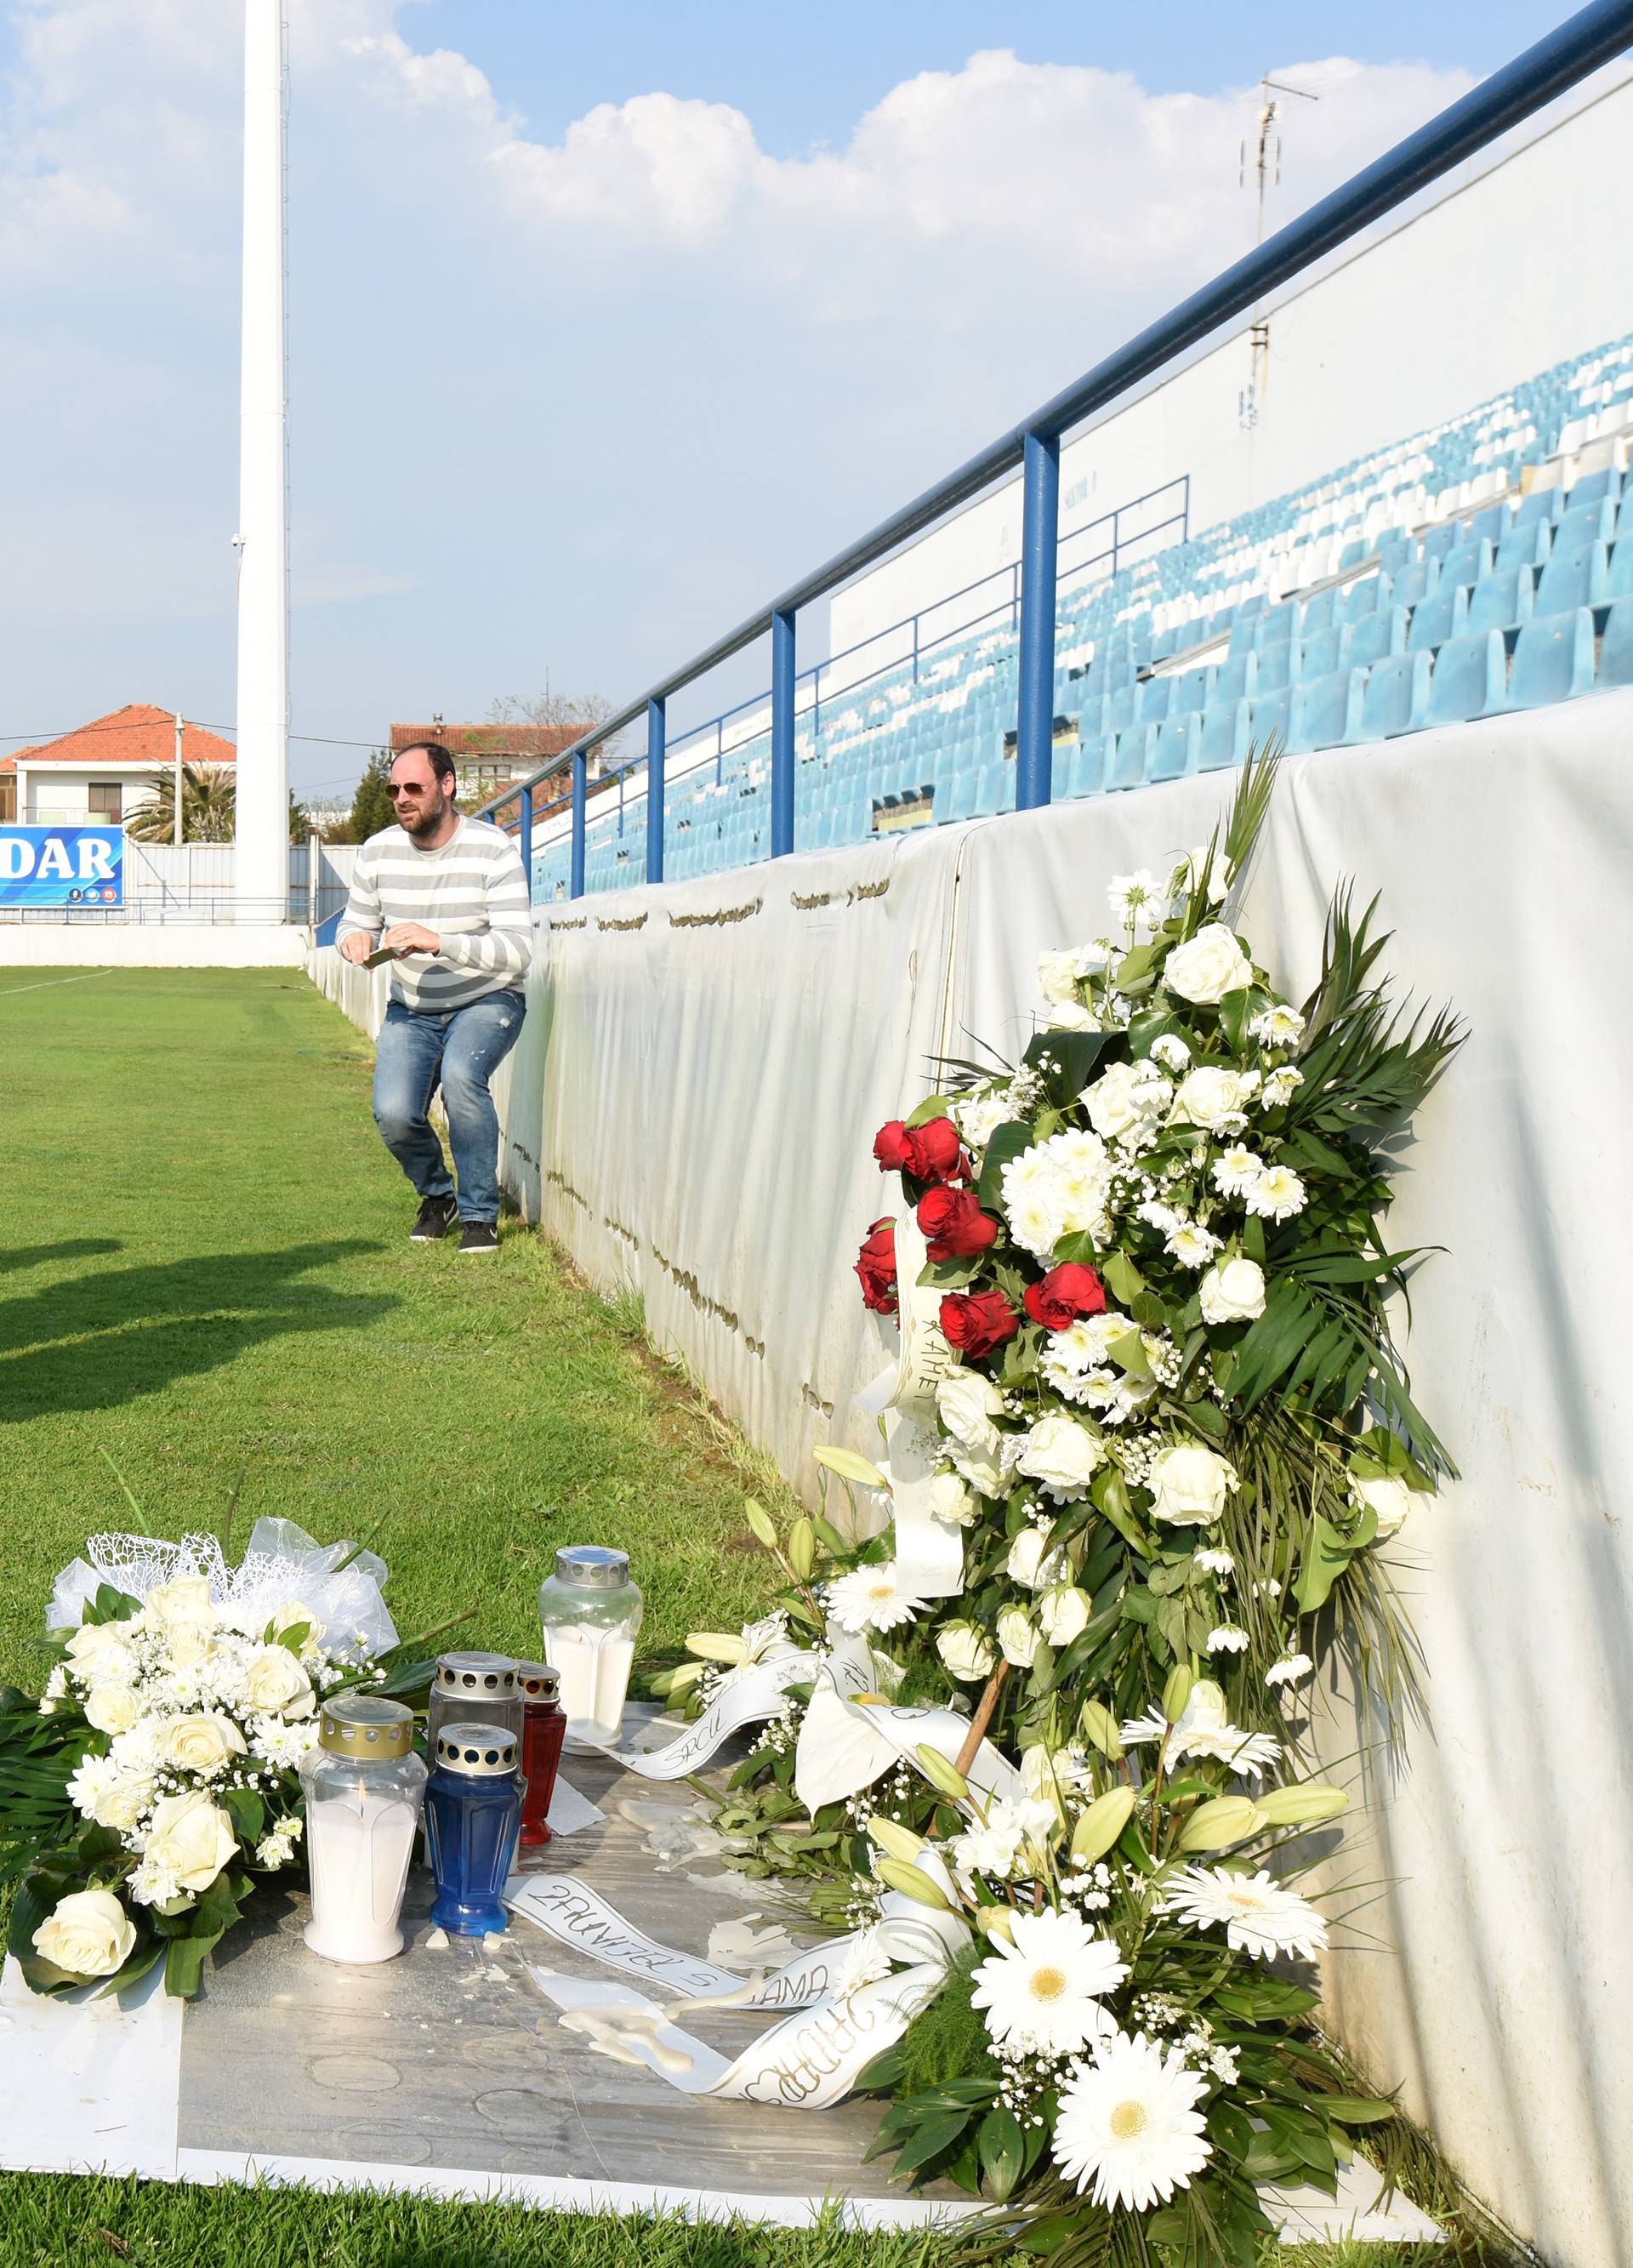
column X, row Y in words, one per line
column 137, row 734
column 490, row 740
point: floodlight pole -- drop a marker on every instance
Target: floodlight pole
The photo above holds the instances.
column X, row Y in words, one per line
column 260, row 831
column 175, row 830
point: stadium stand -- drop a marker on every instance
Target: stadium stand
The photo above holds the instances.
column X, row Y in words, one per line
column 1483, row 565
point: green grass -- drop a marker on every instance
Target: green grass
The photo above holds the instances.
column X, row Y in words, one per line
column 206, row 1267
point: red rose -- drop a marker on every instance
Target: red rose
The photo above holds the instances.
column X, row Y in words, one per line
column 1066, row 1293
column 890, row 1146
column 876, row 1266
column 955, row 1225
column 934, row 1152
column 978, row 1322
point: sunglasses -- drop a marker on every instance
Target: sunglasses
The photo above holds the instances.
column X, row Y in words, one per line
column 410, row 787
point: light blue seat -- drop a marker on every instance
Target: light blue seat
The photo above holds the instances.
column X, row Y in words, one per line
column 1502, row 601
column 991, row 781
column 1541, row 503
column 1618, row 580
column 1119, row 717
column 1579, row 531
column 1175, row 753
column 1413, row 580
column 1191, row 693
column 1088, row 768
column 1397, row 696
column 1318, row 611
column 1438, row 540
column 1369, row 596
column 1325, row 711
column 1224, row 741
column 1594, row 488
column 1060, row 770
column 1615, row 649
column 1328, row 651
column 1378, row 636
column 1353, row 553
column 1280, row 622
column 1553, row 660
column 1467, row 565
column 1276, row 665
column 1132, row 757
column 1444, row 616
column 1151, row 702
column 1470, row 678
column 1237, row 679
column 1242, row 634
column 1488, row 525
column 1569, row 583
column 1526, row 546
column 1270, row 718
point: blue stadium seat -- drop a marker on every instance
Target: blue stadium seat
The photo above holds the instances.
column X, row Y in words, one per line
column 1397, row 697
column 1569, row 583
column 1353, row 553
column 1325, row 711
column 1242, row 634
column 1526, row 546
column 1191, row 693
column 1270, row 718
column 1369, row 596
column 1467, row 565
column 1328, row 651
column 1237, row 679
column 1276, row 665
column 1378, row 636
column 1060, row 770
column 1278, row 623
column 1175, row 754
column 1133, row 752
column 1579, row 530
column 1151, row 704
column 1541, row 503
column 1320, row 611
column 1438, row 540
column 1088, row 768
column 1502, row 601
column 1413, row 580
column 1488, row 525
column 1615, row 651
column 1470, row 678
column 1594, row 488
column 1553, row 660
column 1618, row 583
column 1224, row 736
column 1444, row 616
column 1119, row 716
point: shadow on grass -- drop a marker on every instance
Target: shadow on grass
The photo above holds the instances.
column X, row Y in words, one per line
column 37, row 1256
column 105, row 1339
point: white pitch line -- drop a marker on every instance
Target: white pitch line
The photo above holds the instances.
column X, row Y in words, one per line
column 46, row 982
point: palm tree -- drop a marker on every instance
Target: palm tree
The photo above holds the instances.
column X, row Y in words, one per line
column 208, row 794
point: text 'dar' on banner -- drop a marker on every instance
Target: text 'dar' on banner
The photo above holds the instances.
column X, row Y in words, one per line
column 65, row 866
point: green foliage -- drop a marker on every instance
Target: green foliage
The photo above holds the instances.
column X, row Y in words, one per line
column 948, row 2039
column 372, row 807
column 209, row 801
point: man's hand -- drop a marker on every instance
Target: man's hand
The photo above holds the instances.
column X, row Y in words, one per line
column 356, row 947
column 413, row 936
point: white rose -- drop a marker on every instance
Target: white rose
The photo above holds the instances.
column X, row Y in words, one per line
column 275, row 1685
column 968, row 1403
column 1211, row 965
column 1127, row 1095
column 1064, row 1614
column 1058, row 974
column 95, row 1646
column 1211, row 1095
column 1017, row 1638
column 186, row 1600
column 950, row 1502
column 1389, row 1497
column 965, row 1652
column 1072, row 1016
column 291, row 1616
column 88, row 1934
column 190, row 1837
column 1233, row 1293
column 121, row 1806
column 1061, row 1454
column 1025, row 1563
column 111, row 1708
column 1189, row 1485
column 202, row 1743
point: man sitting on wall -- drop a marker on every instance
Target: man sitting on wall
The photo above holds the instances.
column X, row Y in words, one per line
column 448, row 894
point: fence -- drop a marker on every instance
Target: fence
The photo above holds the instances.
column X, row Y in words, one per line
column 1595, row 36
column 190, row 885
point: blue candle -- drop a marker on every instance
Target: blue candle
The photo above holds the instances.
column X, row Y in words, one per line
column 473, row 1811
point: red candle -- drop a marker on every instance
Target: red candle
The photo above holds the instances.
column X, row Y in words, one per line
column 544, row 1723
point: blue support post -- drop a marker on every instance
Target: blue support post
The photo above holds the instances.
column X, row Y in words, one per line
column 581, row 773
column 1040, row 536
column 782, row 733
column 655, row 725
column 525, row 844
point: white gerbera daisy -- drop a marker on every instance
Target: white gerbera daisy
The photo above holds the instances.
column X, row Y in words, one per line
column 1278, row 1027
column 1227, row 1638
column 1213, row 1562
column 1129, row 2124
column 1288, row 1670
column 1277, row 1195
column 1236, row 1172
column 1203, row 1728
column 868, row 1599
column 1260, row 1918
column 1042, row 1993
column 1131, row 896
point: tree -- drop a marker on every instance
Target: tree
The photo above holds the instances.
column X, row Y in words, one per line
column 209, row 800
column 548, row 708
column 371, row 807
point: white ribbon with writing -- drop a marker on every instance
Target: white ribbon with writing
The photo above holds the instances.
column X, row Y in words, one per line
column 757, row 1694
column 581, row 1918
column 929, row 1552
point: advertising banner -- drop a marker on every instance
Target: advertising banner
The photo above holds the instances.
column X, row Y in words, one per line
column 63, row 866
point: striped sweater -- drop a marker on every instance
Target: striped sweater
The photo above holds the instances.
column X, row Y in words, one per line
column 472, row 892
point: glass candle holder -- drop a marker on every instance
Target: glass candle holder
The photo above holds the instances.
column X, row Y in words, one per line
column 590, row 1611
column 473, row 1688
column 472, row 1810
column 544, row 1724
column 364, row 1785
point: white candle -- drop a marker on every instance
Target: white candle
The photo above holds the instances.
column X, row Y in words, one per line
column 594, row 1666
column 358, row 1848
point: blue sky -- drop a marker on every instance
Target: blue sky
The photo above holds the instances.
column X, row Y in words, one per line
column 603, row 322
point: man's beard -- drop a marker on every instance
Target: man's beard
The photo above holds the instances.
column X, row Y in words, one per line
column 430, row 819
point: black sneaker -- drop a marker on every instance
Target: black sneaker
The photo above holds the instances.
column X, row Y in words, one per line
column 435, row 1217
column 479, row 1236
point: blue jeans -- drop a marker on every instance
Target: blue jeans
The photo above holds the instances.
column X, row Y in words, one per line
column 459, row 1049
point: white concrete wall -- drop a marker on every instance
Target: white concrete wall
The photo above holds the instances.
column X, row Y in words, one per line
column 1520, row 263
column 118, row 944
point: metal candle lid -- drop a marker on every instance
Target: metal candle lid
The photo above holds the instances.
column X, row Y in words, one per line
column 478, row 1751
column 366, row 1727
column 477, row 1676
column 538, row 1680
column 590, row 1567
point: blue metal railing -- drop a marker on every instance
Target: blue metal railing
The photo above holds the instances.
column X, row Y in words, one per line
column 1593, row 36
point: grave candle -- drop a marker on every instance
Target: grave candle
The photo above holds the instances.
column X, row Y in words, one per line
column 473, row 1688
column 544, row 1723
column 590, row 1612
column 364, row 1785
column 473, row 1809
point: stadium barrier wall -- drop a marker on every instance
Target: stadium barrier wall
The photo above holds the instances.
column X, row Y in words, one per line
column 690, row 1109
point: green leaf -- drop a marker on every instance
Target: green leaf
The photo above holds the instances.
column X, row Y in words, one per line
column 1256, row 1998
column 1002, row 2148
column 930, row 2138
column 247, row 1813
column 1007, row 1143
column 1326, row 1556
column 1356, row 2110
column 184, row 1964
column 934, row 1106
column 1123, row 1280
